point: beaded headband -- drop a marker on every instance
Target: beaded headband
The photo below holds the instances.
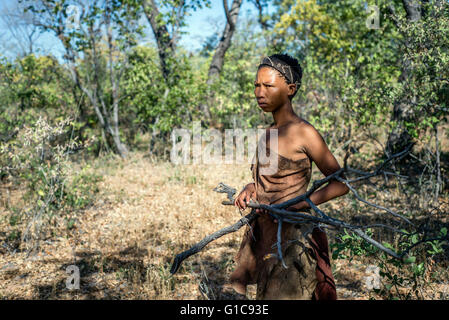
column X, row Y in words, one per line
column 287, row 71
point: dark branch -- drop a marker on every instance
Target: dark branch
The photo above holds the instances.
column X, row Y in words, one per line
column 278, row 212
column 214, row 236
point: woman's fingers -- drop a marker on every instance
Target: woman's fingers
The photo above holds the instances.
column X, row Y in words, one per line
column 243, row 199
column 239, row 202
column 236, row 202
column 242, row 202
column 248, row 197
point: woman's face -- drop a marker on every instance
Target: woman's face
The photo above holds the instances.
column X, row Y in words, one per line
column 271, row 90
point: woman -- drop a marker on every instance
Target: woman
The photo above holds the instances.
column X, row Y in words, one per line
column 305, row 249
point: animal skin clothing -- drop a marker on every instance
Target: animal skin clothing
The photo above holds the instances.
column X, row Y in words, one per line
column 304, row 246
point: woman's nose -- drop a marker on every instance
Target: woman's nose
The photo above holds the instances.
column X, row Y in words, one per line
column 259, row 92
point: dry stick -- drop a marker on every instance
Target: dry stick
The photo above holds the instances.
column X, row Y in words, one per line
column 279, row 239
column 372, row 204
column 200, row 245
column 277, row 212
column 366, row 175
column 336, row 223
column 437, row 155
column 280, row 215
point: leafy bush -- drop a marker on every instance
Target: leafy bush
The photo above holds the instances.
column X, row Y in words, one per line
column 39, row 161
column 407, row 278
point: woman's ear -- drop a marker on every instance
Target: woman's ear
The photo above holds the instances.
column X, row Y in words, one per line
column 291, row 89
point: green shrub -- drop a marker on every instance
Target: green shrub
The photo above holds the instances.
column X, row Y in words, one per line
column 38, row 160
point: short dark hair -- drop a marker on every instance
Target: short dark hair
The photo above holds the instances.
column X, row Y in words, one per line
column 294, row 64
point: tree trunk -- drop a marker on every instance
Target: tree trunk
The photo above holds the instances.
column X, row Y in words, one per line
column 225, row 42
column 92, row 86
column 403, row 108
column 260, row 4
column 165, row 44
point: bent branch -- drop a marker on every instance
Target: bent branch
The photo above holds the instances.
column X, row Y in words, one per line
column 278, row 212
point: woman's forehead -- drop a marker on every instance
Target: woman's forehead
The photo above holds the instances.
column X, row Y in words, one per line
column 268, row 74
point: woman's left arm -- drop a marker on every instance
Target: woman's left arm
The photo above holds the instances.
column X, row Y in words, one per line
column 317, row 150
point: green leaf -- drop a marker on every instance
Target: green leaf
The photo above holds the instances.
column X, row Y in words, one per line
column 387, row 245
column 410, row 259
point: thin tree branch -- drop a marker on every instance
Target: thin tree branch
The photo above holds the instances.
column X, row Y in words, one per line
column 228, row 15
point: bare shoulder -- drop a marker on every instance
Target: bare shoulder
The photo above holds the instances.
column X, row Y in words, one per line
column 299, row 134
column 307, row 136
column 304, row 129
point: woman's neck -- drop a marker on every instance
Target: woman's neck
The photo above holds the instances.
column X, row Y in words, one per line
column 283, row 115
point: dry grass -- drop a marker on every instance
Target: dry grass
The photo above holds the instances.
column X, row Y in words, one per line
column 124, row 243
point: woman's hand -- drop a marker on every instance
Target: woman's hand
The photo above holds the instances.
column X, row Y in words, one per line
column 243, row 198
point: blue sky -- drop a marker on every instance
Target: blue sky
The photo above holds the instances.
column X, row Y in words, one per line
column 200, row 24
